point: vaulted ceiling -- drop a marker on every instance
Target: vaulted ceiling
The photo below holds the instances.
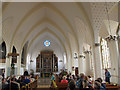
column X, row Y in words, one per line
column 66, row 24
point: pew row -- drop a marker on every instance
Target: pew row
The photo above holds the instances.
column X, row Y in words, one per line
column 60, row 86
column 29, row 86
column 112, row 86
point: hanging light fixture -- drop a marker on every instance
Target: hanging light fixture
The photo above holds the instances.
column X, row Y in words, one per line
column 75, row 57
column 87, row 52
column 80, row 56
column 31, row 58
column 110, row 37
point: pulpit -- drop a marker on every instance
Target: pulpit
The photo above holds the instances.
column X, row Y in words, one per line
column 46, row 63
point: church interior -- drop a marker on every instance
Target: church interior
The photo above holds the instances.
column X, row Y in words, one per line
column 53, row 37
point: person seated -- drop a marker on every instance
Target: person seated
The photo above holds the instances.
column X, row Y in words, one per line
column 4, row 84
column 80, row 83
column 19, row 80
column 22, row 81
column 97, row 85
column 73, row 77
column 72, row 85
column 27, row 80
column 14, row 85
column 77, row 76
column 64, row 80
column 32, row 75
column 8, row 79
column 102, row 84
column 90, row 79
column 60, row 77
column 26, row 73
column 86, row 81
column 68, row 78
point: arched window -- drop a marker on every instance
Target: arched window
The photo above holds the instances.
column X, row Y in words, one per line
column 3, row 51
column 22, row 57
column 118, row 33
column 14, row 59
column 24, row 53
column 105, row 53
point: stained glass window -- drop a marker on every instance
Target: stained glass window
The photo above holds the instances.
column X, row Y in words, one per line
column 105, row 54
column 46, row 43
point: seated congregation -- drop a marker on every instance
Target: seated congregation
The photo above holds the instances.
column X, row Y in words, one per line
column 71, row 82
column 19, row 82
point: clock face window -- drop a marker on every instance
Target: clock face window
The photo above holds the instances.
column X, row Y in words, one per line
column 46, row 43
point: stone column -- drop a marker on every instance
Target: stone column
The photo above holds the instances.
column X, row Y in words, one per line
column 98, row 61
column 80, row 62
column 8, row 66
column 119, row 61
column 72, row 65
column 18, row 64
column 87, row 60
column 114, row 57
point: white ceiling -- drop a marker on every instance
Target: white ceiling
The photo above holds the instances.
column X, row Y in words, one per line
column 35, row 22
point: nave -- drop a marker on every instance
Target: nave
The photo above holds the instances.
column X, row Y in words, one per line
column 78, row 39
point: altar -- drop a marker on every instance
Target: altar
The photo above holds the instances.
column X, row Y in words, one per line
column 46, row 63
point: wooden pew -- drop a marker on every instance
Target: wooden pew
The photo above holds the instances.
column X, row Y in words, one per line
column 30, row 86
column 62, row 86
column 112, row 86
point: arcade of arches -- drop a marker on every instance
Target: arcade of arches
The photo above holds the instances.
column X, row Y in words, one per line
column 52, row 36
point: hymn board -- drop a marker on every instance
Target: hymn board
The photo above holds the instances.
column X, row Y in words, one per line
column 46, row 62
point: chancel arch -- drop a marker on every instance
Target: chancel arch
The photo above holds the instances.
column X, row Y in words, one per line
column 47, row 36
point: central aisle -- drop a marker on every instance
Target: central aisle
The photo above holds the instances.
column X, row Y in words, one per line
column 43, row 83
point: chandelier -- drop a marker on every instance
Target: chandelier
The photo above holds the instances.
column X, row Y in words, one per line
column 110, row 37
